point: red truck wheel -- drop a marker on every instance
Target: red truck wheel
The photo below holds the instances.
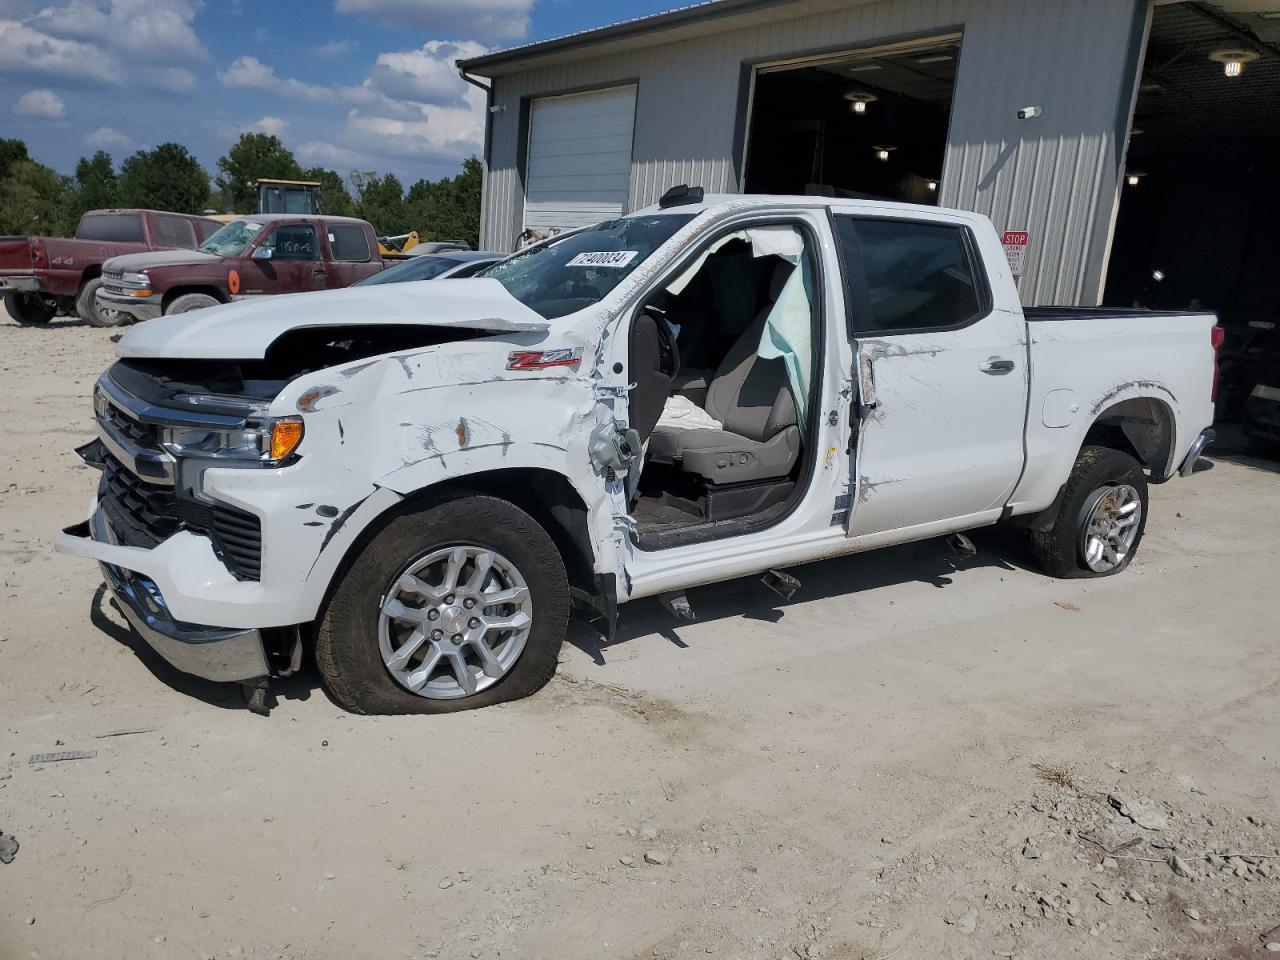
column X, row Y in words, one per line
column 28, row 308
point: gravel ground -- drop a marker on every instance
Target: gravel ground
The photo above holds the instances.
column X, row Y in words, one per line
column 911, row 759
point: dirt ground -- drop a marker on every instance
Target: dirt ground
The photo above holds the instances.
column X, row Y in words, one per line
column 911, row 759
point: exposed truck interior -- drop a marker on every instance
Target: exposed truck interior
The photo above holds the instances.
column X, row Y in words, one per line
column 723, row 359
column 1199, row 204
column 864, row 124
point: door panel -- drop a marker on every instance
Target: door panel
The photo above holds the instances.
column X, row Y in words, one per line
column 941, row 375
column 944, row 438
column 295, row 265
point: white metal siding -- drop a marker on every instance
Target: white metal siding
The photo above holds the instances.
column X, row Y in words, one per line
column 579, row 167
column 1055, row 176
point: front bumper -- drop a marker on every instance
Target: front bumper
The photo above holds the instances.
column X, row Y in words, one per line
column 140, row 308
column 214, row 653
column 20, row 284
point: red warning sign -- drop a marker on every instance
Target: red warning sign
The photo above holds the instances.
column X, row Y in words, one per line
column 1015, row 248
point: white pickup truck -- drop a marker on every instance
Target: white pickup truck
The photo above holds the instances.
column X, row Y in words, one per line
column 421, row 482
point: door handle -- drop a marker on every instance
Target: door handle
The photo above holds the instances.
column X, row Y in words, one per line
column 997, row 366
column 319, row 273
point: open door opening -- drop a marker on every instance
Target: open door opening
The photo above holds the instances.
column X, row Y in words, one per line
column 870, row 124
column 1196, row 225
column 725, row 360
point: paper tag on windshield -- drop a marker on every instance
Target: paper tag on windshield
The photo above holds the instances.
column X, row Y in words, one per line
column 612, row 259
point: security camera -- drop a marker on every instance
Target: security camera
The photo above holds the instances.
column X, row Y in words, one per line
column 1027, row 113
column 498, row 108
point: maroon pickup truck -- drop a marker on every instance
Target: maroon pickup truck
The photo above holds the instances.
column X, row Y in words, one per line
column 255, row 255
column 43, row 276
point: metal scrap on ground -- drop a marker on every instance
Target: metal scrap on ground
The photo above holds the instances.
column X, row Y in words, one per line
column 63, row 755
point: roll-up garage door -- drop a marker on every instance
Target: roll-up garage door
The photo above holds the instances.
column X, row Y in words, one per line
column 579, row 162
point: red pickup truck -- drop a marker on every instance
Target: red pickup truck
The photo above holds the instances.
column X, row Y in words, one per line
column 43, row 276
column 255, row 255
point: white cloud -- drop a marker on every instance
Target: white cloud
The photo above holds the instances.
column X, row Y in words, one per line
column 272, row 125
column 489, row 19
column 108, row 138
column 428, row 74
column 336, row 48
column 253, row 73
column 438, row 131
column 41, row 103
column 324, row 154
column 160, row 29
column 23, row 50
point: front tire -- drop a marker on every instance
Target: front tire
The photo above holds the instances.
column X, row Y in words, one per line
column 459, row 605
column 29, row 309
column 191, row 301
column 87, row 307
column 1101, row 519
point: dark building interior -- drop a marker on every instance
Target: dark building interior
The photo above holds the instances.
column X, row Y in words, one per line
column 867, row 125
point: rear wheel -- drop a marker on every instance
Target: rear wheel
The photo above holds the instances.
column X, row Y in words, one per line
column 1101, row 519
column 460, row 605
column 191, row 301
column 29, row 309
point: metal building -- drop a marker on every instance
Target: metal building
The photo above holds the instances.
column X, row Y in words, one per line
column 1018, row 109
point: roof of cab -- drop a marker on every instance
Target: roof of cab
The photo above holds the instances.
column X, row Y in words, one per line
column 840, row 204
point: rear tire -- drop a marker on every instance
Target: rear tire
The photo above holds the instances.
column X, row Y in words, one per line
column 355, row 657
column 29, row 309
column 191, row 301
column 1101, row 519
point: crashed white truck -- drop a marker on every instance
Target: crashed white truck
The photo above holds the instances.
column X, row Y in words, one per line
column 420, row 483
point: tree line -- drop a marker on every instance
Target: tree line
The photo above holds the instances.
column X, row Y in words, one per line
column 37, row 200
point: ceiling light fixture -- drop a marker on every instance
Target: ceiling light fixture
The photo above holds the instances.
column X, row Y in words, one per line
column 1233, row 59
column 863, row 68
column 1134, row 177
column 933, row 185
column 860, row 100
column 935, row 58
column 882, row 153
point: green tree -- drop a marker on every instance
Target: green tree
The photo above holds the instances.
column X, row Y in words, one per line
column 11, row 152
column 380, row 200
column 254, row 156
column 96, row 185
column 334, row 197
column 449, row 208
column 166, row 178
column 33, row 200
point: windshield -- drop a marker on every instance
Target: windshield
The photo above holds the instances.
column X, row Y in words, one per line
column 419, row 268
column 568, row 274
column 231, row 240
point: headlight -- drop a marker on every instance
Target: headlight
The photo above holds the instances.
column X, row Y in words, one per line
column 264, row 441
column 135, row 284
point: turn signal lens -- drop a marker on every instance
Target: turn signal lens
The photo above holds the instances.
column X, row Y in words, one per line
column 285, row 437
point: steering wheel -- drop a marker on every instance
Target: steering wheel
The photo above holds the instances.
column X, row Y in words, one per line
column 668, row 346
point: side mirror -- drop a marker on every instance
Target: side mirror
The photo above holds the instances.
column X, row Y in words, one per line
column 262, row 253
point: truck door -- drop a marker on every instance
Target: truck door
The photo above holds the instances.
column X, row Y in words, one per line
column 351, row 255
column 940, row 374
column 294, row 266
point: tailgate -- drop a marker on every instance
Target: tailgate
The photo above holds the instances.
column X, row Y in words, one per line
column 15, row 254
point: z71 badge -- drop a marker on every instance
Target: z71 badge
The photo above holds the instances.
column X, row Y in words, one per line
column 544, row 359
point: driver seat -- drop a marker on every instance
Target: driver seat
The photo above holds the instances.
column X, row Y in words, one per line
column 752, row 398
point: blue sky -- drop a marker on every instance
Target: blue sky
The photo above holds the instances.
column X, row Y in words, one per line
column 346, row 84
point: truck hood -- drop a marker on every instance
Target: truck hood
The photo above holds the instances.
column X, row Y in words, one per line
column 133, row 262
column 246, row 329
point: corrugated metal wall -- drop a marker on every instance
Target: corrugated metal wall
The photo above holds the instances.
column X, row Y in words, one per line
column 1055, row 176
